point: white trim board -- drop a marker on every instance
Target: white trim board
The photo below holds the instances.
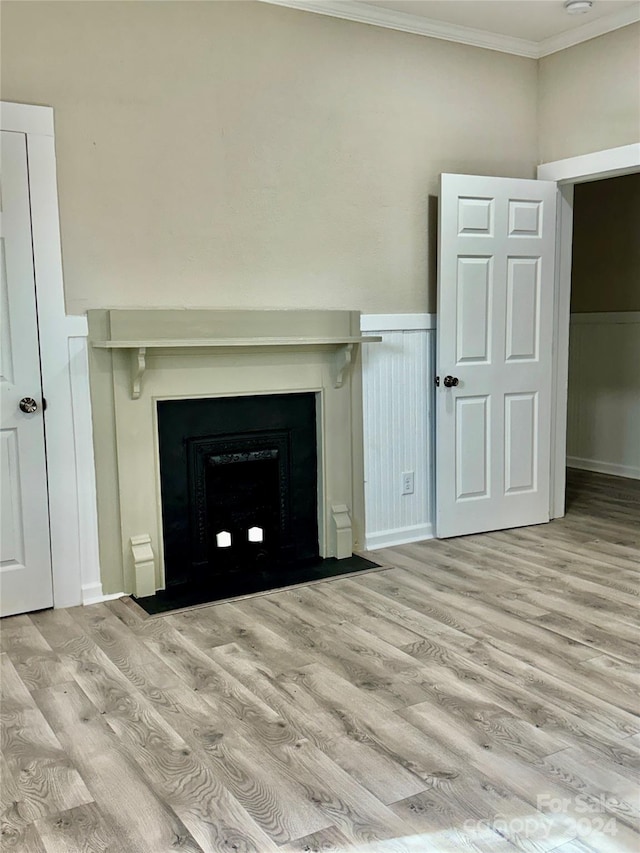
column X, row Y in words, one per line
column 92, row 594
column 24, row 118
column 391, row 19
column 596, row 166
column 560, row 352
column 404, row 536
column 396, row 322
column 85, row 465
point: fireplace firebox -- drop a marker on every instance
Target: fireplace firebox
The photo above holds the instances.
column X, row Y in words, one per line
column 239, row 491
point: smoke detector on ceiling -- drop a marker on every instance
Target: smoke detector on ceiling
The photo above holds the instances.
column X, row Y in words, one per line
column 577, row 7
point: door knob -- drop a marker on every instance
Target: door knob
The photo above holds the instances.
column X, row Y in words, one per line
column 450, row 381
column 28, row 405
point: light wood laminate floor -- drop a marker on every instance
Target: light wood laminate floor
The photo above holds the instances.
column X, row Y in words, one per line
column 478, row 694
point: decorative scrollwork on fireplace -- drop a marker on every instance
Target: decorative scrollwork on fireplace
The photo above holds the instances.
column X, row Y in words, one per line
column 226, row 450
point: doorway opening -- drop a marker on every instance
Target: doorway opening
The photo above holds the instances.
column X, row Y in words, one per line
column 568, row 174
column 603, row 408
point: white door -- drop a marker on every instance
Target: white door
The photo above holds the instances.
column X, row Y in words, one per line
column 494, row 339
column 25, row 555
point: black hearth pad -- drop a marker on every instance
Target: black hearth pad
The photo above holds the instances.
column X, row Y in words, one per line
column 165, row 600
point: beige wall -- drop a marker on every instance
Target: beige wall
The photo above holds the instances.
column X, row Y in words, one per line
column 589, row 96
column 241, row 154
column 606, row 246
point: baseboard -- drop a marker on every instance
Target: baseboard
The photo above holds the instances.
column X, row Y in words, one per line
column 92, row 594
column 594, row 465
column 402, row 536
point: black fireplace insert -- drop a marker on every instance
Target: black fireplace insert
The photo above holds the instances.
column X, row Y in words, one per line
column 239, row 484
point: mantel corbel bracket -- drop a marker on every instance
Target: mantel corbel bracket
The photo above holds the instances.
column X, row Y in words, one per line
column 138, row 367
column 343, row 362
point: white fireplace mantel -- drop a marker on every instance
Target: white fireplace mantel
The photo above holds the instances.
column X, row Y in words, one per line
column 138, row 350
column 139, row 357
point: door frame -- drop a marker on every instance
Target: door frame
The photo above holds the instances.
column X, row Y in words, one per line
column 63, row 342
column 608, row 163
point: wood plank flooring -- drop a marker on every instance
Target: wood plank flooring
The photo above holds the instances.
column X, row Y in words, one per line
column 478, row 694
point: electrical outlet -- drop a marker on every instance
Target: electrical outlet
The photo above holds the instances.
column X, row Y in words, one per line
column 407, row 483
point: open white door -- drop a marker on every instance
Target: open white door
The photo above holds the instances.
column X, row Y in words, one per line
column 494, row 358
column 25, row 554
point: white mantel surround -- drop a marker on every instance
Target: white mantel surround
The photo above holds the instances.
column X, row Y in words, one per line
column 141, row 356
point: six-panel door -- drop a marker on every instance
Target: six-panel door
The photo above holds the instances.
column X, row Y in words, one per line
column 494, row 333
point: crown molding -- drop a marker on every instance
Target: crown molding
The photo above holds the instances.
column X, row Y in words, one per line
column 363, row 13
column 590, row 30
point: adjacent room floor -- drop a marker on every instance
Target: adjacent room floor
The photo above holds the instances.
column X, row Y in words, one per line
column 478, row 693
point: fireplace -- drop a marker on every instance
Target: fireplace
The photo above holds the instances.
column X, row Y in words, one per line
column 239, row 487
column 203, row 472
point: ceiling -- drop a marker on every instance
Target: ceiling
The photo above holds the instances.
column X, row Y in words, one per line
column 534, row 20
column 526, row 27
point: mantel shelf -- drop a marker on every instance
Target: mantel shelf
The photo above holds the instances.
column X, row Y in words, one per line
column 170, row 343
column 138, row 348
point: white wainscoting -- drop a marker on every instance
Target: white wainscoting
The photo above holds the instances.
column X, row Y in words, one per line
column 398, row 427
column 603, row 431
